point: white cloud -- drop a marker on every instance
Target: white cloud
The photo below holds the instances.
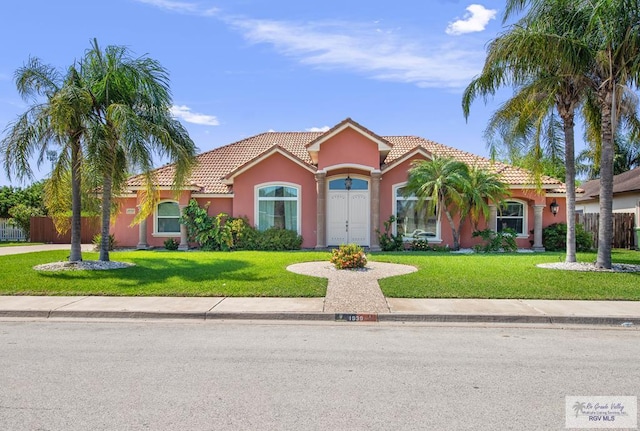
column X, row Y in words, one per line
column 181, row 7
column 318, row 129
column 475, row 20
column 363, row 48
column 183, row 112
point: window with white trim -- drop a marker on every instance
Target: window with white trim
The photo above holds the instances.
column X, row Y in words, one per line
column 168, row 218
column 413, row 222
column 512, row 215
column 278, row 207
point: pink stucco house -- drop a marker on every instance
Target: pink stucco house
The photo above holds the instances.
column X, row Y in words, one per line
column 333, row 187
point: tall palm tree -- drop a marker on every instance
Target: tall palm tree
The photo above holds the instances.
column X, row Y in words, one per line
column 531, row 56
column 611, row 45
column 132, row 121
column 440, row 184
column 58, row 121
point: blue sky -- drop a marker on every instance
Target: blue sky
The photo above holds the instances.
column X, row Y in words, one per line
column 242, row 67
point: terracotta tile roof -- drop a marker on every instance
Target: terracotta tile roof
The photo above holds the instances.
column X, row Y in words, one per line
column 625, row 182
column 510, row 174
column 213, row 166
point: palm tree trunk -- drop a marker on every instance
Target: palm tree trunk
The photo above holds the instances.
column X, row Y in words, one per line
column 76, row 207
column 570, row 182
column 106, row 218
column 454, row 232
column 605, row 228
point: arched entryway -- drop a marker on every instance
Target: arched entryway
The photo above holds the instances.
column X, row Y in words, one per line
column 348, row 211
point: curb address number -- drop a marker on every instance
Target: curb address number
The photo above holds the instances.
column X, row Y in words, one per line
column 356, row 317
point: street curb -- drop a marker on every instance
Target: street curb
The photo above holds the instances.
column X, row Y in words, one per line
column 485, row 318
column 316, row 316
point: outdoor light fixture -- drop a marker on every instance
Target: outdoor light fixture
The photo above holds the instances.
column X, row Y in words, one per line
column 553, row 207
column 347, row 182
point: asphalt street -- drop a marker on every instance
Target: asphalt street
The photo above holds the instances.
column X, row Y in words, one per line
column 212, row 375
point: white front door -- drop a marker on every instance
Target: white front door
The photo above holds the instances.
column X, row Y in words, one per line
column 348, row 213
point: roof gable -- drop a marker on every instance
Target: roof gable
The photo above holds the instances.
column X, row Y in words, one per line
column 276, row 149
column 313, row 147
column 625, row 182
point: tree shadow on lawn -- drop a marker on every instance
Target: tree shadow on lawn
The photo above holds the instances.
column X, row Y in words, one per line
column 150, row 271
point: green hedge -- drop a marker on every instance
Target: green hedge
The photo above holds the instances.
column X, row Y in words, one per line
column 554, row 238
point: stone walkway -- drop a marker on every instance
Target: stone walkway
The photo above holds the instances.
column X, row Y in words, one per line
column 353, row 291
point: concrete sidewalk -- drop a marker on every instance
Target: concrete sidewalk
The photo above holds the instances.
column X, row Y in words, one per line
column 20, row 249
column 626, row 313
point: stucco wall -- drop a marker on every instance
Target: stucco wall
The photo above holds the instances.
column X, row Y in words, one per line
column 278, row 169
column 350, row 147
column 530, row 197
column 125, row 235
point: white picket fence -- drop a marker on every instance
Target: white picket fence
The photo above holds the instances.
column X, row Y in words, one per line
column 9, row 232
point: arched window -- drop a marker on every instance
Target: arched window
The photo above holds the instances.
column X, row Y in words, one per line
column 168, row 218
column 278, row 206
column 513, row 215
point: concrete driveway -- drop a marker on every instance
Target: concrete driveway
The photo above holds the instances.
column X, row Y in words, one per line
column 20, row 249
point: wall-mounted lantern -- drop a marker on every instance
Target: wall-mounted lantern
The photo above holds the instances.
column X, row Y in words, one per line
column 347, row 182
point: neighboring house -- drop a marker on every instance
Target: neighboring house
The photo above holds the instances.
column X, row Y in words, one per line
column 626, row 194
column 332, row 187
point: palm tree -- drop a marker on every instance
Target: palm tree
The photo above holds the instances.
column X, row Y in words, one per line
column 58, row 121
column 440, row 183
column 132, row 121
column 483, row 187
column 531, row 56
column 447, row 185
column 627, row 156
column 538, row 147
column 611, row 46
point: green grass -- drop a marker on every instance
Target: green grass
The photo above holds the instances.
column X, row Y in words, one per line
column 166, row 274
column 446, row 275
column 439, row 275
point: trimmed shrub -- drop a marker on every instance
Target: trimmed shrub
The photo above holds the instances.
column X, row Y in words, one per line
column 348, row 256
column 171, row 244
column 276, row 239
column 387, row 240
column 226, row 233
column 504, row 240
column 554, row 238
column 420, row 245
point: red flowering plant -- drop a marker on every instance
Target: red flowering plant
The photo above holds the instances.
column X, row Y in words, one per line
column 348, row 256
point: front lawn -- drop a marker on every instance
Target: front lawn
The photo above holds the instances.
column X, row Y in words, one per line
column 448, row 275
column 250, row 273
column 160, row 273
